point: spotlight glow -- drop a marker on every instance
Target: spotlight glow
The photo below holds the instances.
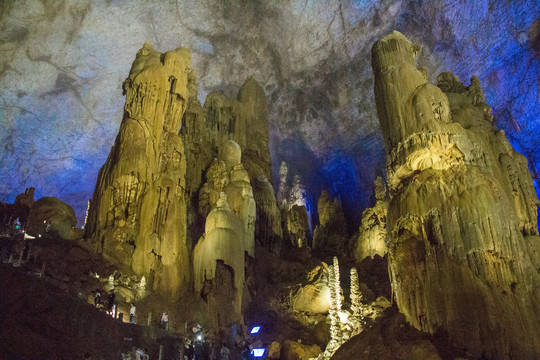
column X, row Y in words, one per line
column 259, row 352
column 255, row 330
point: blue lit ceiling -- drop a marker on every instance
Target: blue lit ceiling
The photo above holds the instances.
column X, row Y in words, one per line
column 63, row 63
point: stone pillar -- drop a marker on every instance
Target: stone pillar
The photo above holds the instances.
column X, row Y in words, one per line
column 463, row 238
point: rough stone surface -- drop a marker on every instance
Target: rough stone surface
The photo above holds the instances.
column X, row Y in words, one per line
column 313, row 296
column 59, row 215
column 293, row 350
column 230, row 224
column 390, row 337
column 138, row 212
column 297, row 226
column 64, row 61
column 463, row 236
column 371, row 240
column 331, row 234
column 268, row 229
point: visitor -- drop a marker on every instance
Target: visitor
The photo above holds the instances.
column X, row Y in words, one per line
column 110, row 302
column 97, row 298
column 198, row 350
column 132, row 314
column 213, row 351
column 225, row 352
column 139, row 354
column 245, row 350
column 189, row 350
column 164, row 320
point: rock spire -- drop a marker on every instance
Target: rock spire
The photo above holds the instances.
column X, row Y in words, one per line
column 463, row 238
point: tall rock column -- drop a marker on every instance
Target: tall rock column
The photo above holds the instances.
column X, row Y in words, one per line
column 245, row 121
column 138, row 212
column 463, row 244
column 227, row 200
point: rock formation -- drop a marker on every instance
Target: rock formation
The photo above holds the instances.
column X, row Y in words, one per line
column 245, row 121
column 227, row 198
column 463, row 238
column 222, row 241
column 51, row 214
column 314, row 295
column 138, row 211
column 331, row 233
column 297, row 226
column 268, row 232
column 200, row 150
column 372, row 237
column 283, row 190
column 26, row 198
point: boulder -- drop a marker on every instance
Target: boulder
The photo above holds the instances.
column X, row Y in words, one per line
column 56, row 216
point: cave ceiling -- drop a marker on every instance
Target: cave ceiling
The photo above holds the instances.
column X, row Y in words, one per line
column 63, row 63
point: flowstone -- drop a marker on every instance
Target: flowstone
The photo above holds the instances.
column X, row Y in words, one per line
column 463, row 244
column 138, row 212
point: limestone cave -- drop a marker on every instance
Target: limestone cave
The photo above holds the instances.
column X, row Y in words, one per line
column 286, row 180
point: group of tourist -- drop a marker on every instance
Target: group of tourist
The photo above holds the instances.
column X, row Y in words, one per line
column 199, row 349
column 111, row 302
column 112, row 308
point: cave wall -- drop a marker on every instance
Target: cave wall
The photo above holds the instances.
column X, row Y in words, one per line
column 64, row 62
column 462, row 230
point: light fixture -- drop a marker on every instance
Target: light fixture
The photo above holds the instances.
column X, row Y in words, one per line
column 255, row 330
column 258, row 352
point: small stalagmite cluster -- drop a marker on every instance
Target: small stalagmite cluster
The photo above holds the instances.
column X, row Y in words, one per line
column 463, row 244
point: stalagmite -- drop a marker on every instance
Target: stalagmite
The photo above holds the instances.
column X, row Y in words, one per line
column 463, row 238
column 244, row 120
column 222, row 241
column 138, row 211
column 331, row 233
column 372, row 233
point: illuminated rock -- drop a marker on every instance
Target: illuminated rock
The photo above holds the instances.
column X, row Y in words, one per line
column 26, row 198
column 53, row 215
column 199, row 150
column 222, row 241
column 283, row 191
column 138, row 211
column 293, row 350
column 314, row 295
column 372, row 233
column 331, row 234
column 463, row 238
column 269, row 231
column 227, row 175
column 244, row 120
column 297, row 226
column 227, row 198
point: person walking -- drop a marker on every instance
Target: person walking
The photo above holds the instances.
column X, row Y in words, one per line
column 225, row 352
column 164, row 320
column 111, row 302
column 97, row 298
column 132, row 313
